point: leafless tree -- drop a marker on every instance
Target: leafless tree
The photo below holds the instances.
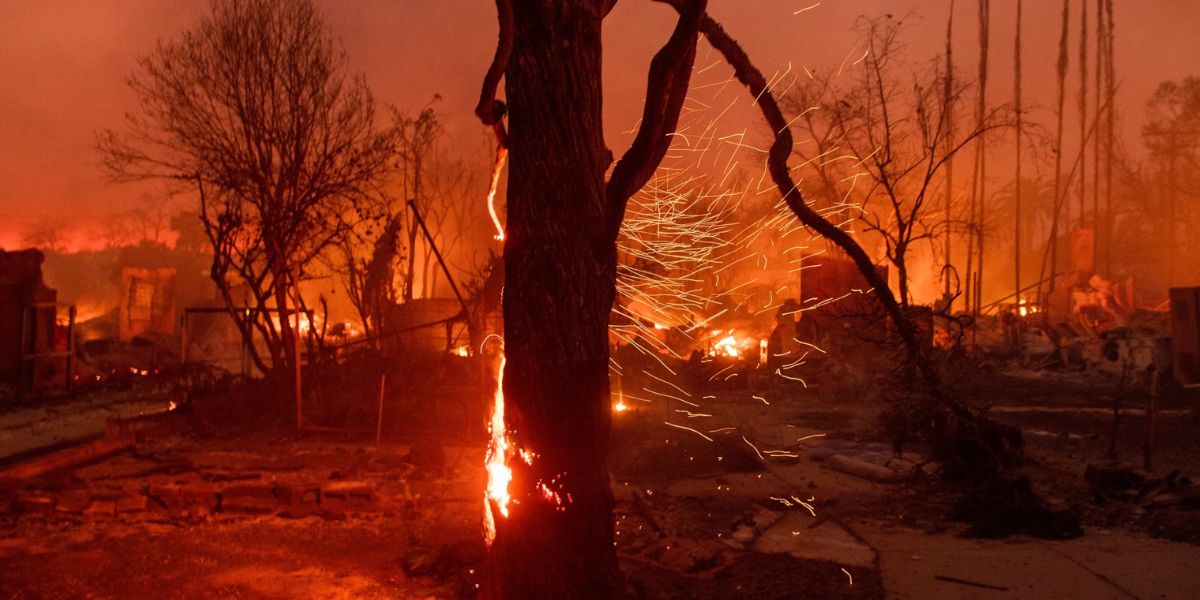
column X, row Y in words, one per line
column 883, row 141
column 386, row 258
column 1172, row 135
column 438, row 184
column 254, row 112
column 147, row 223
column 45, row 234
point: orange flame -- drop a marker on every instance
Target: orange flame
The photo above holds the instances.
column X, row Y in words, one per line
column 501, row 450
column 501, row 158
column 727, row 346
column 498, row 471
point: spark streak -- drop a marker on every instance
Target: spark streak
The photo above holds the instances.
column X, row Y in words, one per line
column 688, row 429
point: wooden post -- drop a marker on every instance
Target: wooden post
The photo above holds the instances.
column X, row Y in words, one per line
column 183, row 337
column 379, row 419
column 1151, row 413
column 1163, row 372
column 70, row 367
column 246, row 363
column 1118, row 399
column 298, row 376
column 1017, row 190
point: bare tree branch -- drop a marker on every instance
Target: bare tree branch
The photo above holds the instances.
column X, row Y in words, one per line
column 666, row 89
column 489, row 109
column 255, row 109
column 781, row 149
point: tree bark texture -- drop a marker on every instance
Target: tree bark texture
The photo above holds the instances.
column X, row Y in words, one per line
column 560, row 269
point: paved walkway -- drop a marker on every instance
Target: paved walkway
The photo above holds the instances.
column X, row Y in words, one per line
column 1096, row 566
column 919, row 565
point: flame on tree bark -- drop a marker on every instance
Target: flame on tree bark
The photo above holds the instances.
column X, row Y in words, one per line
column 560, row 268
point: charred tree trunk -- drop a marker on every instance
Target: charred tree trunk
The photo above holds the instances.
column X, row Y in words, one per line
column 1051, row 257
column 555, row 538
column 1017, row 190
column 1083, row 110
column 948, row 124
column 1110, row 130
column 979, row 181
column 560, row 270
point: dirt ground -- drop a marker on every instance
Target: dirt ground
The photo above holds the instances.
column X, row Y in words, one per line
column 739, row 499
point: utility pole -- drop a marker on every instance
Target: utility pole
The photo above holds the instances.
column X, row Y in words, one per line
column 948, row 118
column 1020, row 117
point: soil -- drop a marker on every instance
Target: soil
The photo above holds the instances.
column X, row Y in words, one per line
column 693, row 500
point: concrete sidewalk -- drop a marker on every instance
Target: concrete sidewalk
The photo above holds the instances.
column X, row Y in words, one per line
column 29, row 428
column 1095, row 566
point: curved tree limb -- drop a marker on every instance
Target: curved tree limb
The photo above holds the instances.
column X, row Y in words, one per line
column 489, row 109
column 781, row 149
column 666, row 89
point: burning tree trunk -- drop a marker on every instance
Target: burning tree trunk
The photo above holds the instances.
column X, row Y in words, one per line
column 552, row 527
column 560, row 272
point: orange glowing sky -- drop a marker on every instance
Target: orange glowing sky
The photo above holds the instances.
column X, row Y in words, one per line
column 62, row 64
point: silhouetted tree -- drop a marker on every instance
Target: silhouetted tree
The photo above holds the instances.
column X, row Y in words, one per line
column 1172, row 134
column 884, row 148
column 560, row 267
column 253, row 110
column 45, row 234
column 386, row 259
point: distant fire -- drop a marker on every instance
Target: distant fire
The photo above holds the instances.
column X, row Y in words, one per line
column 620, row 405
column 1025, row 308
column 87, row 310
column 306, row 323
column 729, row 345
column 726, row 346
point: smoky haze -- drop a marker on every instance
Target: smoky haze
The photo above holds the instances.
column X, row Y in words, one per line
column 63, row 63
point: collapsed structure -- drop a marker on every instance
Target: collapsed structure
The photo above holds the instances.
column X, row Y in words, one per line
column 35, row 352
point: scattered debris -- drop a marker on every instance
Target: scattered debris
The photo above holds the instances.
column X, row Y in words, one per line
column 967, row 582
column 1006, row 507
column 1122, row 484
column 872, row 461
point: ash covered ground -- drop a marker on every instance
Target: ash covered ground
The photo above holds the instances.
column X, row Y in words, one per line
column 769, row 490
